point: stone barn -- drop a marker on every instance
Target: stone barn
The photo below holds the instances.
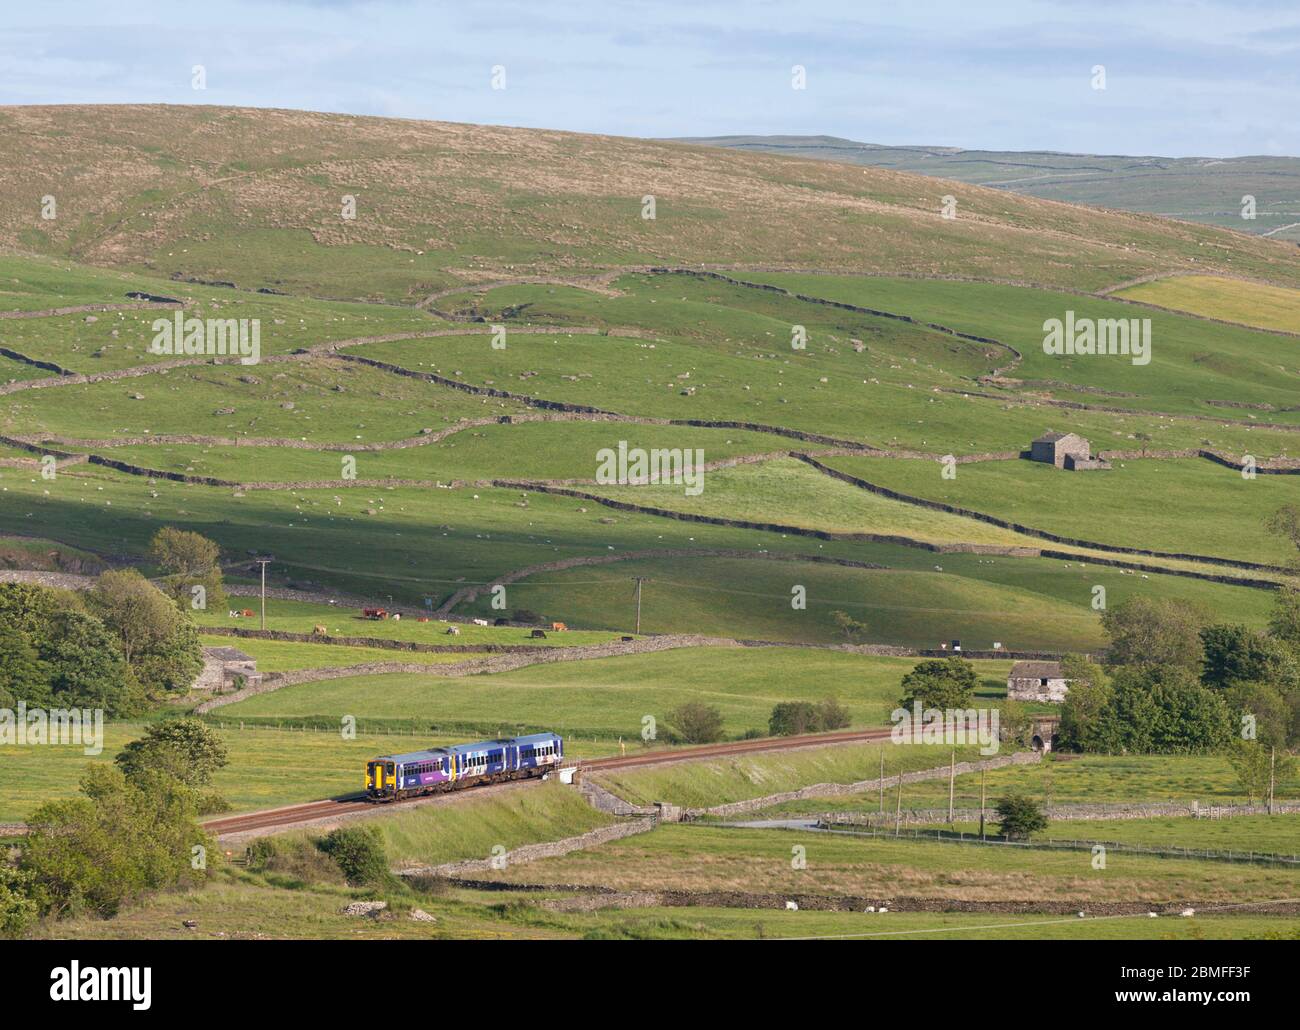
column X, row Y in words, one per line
column 1065, row 451
column 223, row 665
column 1037, row 681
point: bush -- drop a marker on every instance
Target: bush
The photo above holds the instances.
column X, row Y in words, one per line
column 1019, row 816
column 299, row 859
column 696, row 723
column 359, row 853
column 121, row 839
column 18, row 910
column 791, row 718
column 186, row 748
column 940, row 683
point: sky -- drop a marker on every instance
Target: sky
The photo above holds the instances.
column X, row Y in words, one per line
column 1216, row 79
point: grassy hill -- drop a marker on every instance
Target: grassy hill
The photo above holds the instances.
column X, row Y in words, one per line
column 1200, row 189
column 255, row 197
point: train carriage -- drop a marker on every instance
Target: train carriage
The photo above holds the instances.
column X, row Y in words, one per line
column 393, row 777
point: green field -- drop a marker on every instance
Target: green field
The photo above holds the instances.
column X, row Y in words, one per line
column 721, row 858
column 287, row 656
column 705, row 784
column 1184, row 506
column 606, row 698
column 1257, row 304
column 268, row 767
column 1076, row 779
column 243, row 906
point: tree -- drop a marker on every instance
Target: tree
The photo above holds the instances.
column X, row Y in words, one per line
column 359, row 852
column 1157, row 710
column 188, row 560
column 696, row 723
column 1014, row 723
column 134, row 610
column 1083, row 711
column 790, row 718
column 1266, row 706
column 1019, row 816
column 1238, row 654
column 23, row 676
column 87, row 668
column 1256, row 766
column 940, row 683
column 848, row 625
column 159, row 642
column 186, row 748
column 1150, row 632
column 831, row 715
column 119, row 840
column 18, row 909
column 1284, row 622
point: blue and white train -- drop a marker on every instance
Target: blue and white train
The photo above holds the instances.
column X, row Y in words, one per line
column 393, row 777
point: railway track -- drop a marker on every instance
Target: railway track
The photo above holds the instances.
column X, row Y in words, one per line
column 350, row 804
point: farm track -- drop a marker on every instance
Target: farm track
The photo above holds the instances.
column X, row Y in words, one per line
column 355, row 804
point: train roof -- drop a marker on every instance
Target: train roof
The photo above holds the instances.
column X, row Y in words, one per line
column 460, row 749
column 536, row 738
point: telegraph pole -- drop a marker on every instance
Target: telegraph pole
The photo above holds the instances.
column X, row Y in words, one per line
column 264, row 562
column 639, row 581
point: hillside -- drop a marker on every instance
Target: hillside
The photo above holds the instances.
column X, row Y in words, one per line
column 254, row 197
column 1199, row 189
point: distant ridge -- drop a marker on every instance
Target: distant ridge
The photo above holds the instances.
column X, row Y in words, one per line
column 1200, row 189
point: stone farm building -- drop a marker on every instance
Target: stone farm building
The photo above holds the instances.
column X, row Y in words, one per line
column 222, row 666
column 1037, row 681
column 1065, row 451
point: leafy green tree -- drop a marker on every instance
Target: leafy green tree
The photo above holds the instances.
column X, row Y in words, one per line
column 831, row 715
column 791, row 718
column 159, row 642
column 120, row 840
column 31, row 609
column 1270, row 711
column 1019, row 816
column 18, row 908
column 188, row 560
column 1284, row 620
column 1088, row 696
column 696, row 723
column 1149, row 632
column 1238, row 654
column 87, row 668
column 1256, row 764
column 186, row 748
column 940, row 683
column 1014, row 723
column 359, row 852
column 23, row 676
column 850, row 627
